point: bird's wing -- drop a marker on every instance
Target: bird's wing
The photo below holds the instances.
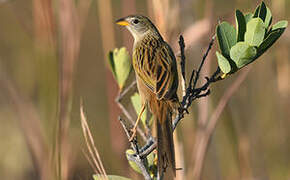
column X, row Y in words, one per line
column 166, row 72
column 157, row 68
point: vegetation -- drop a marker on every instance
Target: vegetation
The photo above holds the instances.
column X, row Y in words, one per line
column 239, row 47
column 54, row 72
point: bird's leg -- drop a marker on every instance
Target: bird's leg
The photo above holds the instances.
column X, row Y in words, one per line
column 137, row 121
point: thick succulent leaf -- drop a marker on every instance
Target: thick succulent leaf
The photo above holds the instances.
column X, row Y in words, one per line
column 121, row 65
column 136, row 101
column 268, row 19
column 226, row 34
column 248, row 17
column 273, row 36
column 255, row 32
column 261, row 11
column 110, row 177
column 223, row 63
column 242, row 54
column 240, row 25
column 132, row 163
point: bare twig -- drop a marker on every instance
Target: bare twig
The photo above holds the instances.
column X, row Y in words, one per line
column 192, row 92
column 125, row 91
column 202, row 62
column 181, row 65
column 124, row 110
column 136, row 158
column 148, row 147
column 182, row 62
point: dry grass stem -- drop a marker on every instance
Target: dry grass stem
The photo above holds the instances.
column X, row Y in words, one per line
column 204, row 134
column 90, row 161
column 94, row 154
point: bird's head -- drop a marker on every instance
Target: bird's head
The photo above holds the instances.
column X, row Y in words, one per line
column 139, row 26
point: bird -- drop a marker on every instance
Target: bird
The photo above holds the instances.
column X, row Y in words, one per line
column 156, row 74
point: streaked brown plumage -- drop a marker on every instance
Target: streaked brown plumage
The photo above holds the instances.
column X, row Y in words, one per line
column 157, row 80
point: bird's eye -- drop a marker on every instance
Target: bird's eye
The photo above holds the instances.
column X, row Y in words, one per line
column 136, row 21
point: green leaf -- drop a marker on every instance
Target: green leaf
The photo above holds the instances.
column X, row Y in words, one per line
column 248, row 17
column 240, row 25
column 280, row 25
column 110, row 177
column 261, row 11
column 255, row 32
column 136, row 101
column 242, row 54
column 132, row 163
column 275, row 33
column 223, row 63
column 226, row 35
column 268, row 19
column 120, row 65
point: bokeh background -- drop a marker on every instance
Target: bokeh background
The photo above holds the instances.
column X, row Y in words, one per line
column 53, row 53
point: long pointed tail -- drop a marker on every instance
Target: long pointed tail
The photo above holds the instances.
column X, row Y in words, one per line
column 165, row 146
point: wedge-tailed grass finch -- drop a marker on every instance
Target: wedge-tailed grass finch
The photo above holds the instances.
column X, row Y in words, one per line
column 157, row 80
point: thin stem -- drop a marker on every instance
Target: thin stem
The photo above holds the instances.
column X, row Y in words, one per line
column 202, row 61
column 124, row 110
column 182, row 62
column 125, row 91
column 136, row 158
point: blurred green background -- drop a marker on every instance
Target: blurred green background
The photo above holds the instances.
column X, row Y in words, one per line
column 53, row 53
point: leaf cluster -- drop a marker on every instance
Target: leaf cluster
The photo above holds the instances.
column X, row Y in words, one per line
column 252, row 37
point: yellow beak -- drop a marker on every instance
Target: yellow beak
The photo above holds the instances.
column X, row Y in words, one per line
column 122, row 22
